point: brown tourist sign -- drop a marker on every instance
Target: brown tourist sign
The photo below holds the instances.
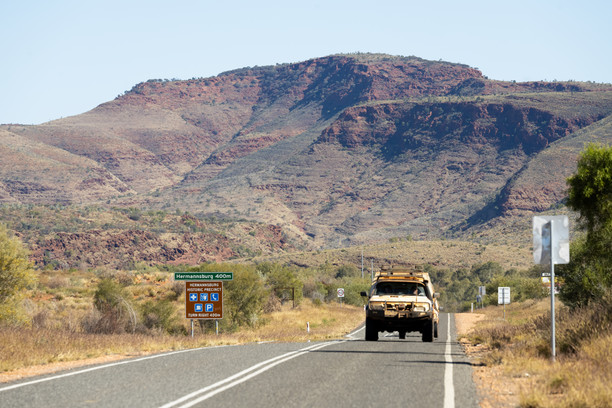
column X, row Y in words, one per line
column 203, row 300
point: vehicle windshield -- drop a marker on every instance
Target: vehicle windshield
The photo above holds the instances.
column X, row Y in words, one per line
column 398, row 288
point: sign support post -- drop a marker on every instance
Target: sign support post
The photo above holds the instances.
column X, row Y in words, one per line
column 551, row 246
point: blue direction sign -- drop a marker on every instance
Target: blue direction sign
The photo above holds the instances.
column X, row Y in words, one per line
column 193, row 297
column 203, row 297
column 214, row 297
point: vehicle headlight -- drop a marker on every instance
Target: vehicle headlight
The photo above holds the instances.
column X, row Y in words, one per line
column 421, row 307
column 377, row 305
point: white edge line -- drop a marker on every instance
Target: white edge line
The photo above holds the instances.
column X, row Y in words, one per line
column 291, row 356
column 354, row 332
column 449, row 387
column 55, row 377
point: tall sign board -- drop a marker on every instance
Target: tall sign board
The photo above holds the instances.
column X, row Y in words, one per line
column 550, row 247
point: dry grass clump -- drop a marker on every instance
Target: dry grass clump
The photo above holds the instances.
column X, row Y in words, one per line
column 327, row 321
column 25, row 347
column 520, row 346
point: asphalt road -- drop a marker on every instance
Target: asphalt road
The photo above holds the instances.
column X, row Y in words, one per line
column 349, row 372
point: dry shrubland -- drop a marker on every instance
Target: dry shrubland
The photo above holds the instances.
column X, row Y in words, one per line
column 518, row 348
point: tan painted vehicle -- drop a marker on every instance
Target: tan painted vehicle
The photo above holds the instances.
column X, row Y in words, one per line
column 402, row 300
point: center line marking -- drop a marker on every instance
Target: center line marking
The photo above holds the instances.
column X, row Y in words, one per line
column 449, row 387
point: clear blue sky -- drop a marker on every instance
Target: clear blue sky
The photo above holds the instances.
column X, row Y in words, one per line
column 61, row 58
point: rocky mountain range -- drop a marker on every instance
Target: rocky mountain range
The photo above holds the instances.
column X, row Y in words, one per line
column 336, row 151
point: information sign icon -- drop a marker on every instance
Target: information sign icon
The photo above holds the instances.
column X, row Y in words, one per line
column 209, row 307
column 214, row 297
column 193, row 297
column 198, row 307
column 203, row 297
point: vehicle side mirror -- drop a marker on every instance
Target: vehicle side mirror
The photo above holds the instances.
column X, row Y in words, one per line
column 364, row 294
column 436, row 295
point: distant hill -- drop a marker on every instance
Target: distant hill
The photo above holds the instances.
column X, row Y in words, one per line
column 337, row 151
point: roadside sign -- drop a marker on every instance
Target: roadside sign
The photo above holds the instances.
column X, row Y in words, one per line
column 550, row 247
column 340, row 292
column 482, row 290
column 203, row 300
column 551, row 239
column 204, row 276
column 503, row 296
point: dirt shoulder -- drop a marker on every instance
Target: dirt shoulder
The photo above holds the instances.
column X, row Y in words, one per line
column 494, row 388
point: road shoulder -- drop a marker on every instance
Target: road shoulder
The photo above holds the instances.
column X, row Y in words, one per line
column 495, row 390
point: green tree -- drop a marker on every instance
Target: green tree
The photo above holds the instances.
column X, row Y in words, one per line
column 246, row 296
column 15, row 275
column 588, row 276
column 243, row 298
column 590, row 188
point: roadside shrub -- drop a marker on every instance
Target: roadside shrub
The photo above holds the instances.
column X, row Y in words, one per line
column 15, row 275
column 160, row 315
column 584, row 323
column 113, row 302
column 284, row 284
column 347, row 271
column 352, row 291
column 243, row 298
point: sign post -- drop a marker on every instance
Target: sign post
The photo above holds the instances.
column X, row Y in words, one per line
column 204, row 295
column 482, row 291
column 503, row 297
column 551, row 246
column 341, row 294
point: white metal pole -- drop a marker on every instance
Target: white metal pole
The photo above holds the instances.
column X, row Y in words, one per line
column 553, row 352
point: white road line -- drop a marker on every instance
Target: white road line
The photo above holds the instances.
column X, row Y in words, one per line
column 238, row 378
column 87, row 370
column 352, row 335
column 449, row 387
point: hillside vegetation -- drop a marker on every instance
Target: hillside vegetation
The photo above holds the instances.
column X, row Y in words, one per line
column 336, row 151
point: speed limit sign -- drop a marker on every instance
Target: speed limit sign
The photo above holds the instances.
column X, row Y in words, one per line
column 340, row 292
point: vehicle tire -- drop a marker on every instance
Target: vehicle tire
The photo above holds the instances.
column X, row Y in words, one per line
column 402, row 334
column 371, row 331
column 436, row 330
column 428, row 331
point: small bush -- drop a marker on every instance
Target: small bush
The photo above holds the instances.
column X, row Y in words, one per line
column 160, row 315
column 113, row 303
column 15, row 275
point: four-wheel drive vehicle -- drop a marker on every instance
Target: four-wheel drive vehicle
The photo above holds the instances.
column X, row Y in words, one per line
column 402, row 300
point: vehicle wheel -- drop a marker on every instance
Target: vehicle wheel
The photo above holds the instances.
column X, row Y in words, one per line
column 402, row 335
column 428, row 331
column 436, row 330
column 371, row 331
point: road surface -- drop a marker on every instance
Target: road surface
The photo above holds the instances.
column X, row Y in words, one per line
column 348, row 372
